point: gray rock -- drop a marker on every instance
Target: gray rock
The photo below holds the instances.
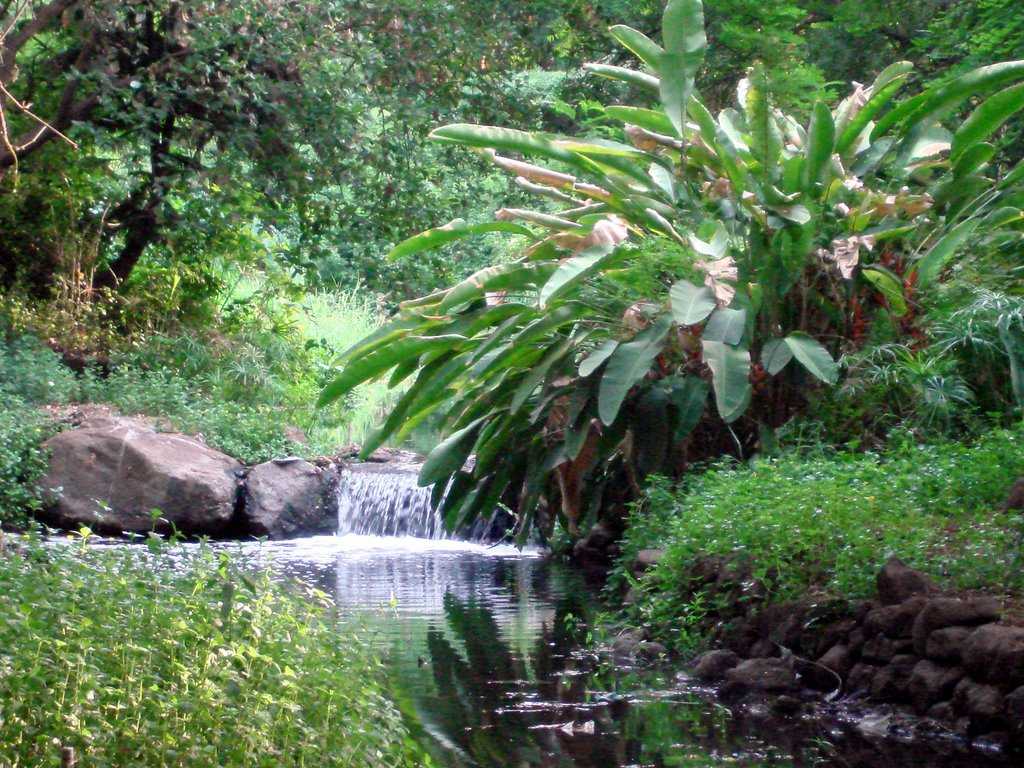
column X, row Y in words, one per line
column 896, row 621
column 713, row 665
column 898, row 583
column 650, row 651
column 891, row 682
column 861, row 677
column 286, row 498
column 111, row 474
column 769, row 675
column 983, row 704
column 947, row 644
column 1015, row 711
column 647, row 559
column 931, row 683
column 942, row 711
column 839, row 659
column 881, row 649
column 943, row 612
column 625, row 645
column 995, row 653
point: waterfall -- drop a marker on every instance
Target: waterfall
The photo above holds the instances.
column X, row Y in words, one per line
column 384, row 500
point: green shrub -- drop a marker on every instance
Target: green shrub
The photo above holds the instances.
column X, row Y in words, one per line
column 204, row 668
column 826, row 523
column 33, row 372
column 22, row 459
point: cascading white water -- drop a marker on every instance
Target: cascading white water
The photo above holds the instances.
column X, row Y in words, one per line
column 384, row 500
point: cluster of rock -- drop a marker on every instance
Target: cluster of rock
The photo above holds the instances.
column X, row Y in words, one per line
column 118, row 475
column 950, row 658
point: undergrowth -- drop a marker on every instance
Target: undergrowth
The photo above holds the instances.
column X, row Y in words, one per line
column 187, row 664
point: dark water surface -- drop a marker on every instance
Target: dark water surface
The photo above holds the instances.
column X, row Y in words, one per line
column 484, row 647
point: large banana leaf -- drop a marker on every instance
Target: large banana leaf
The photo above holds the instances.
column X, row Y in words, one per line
column 685, row 42
column 690, row 304
column 987, row 119
column 730, row 378
column 629, row 364
column 455, row 230
column 814, row 357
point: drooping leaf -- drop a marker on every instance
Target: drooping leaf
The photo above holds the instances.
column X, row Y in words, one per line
column 986, row 119
column 576, row 269
column 648, row 51
column 730, row 369
column 690, row 304
column 455, row 230
column 682, row 30
column 628, row 364
column 775, row 356
column 888, row 285
column 625, row 75
column 594, row 360
column 450, row 454
column 648, row 119
column 765, row 136
column 689, row 397
column 886, row 85
column 932, row 263
column 814, row 357
column 513, row 276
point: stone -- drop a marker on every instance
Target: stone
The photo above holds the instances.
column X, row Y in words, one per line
column 897, row 583
column 941, row 612
column 931, row 683
column 713, row 665
column 891, row 682
column 764, row 649
column 896, row 621
column 856, row 640
column 861, row 677
column 625, row 645
column 942, row 711
column 647, row 559
column 995, row 653
column 839, row 659
column 110, row 474
column 649, row 651
column 816, row 676
column 983, row 704
column 769, row 675
column 882, row 649
column 1015, row 711
column 947, row 644
column 286, row 498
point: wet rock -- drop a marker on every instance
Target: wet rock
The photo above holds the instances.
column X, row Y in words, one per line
column 983, row 704
column 647, row 559
column 624, row 646
column 713, row 665
column 816, row 676
column 111, row 474
column 882, row 649
column 286, row 498
column 892, row 680
column 649, row 651
column 930, row 683
column 769, row 675
column 943, row 612
column 834, row 634
column 856, row 640
column 995, row 653
column 947, row 644
column 1015, row 711
column 787, row 705
column 942, row 711
column 839, row 659
column 895, row 621
column 861, row 677
column 764, row 649
column 898, row 583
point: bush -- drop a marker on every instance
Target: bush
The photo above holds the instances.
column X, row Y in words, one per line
column 32, row 372
column 826, row 523
column 196, row 665
column 22, row 460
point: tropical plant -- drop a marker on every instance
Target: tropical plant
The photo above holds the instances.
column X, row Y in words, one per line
column 563, row 367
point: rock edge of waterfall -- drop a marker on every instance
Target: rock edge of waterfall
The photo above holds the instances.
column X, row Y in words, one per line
column 120, row 475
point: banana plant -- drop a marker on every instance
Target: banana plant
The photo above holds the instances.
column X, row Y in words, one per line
column 791, row 234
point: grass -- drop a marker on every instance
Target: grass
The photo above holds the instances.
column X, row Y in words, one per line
column 825, row 523
column 165, row 662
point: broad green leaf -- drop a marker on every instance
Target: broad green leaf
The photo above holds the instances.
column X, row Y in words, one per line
column 730, row 380
column 888, row 285
column 512, row 276
column 814, row 357
column 886, row 85
column 369, row 366
column 765, row 136
column 973, row 159
column 631, row 76
column 690, row 304
column 987, row 119
column 1011, row 333
column 629, row 364
column 594, row 360
column 689, row 397
column 682, row 30
column 576, row 269
column 941, row 99
column 537, row 373
column 932, row 263
column 506, row 139
column 776, row 355
column 455, row 230
column 648, row 119
column 821, row 136
column 726, row 326
column 717, row 245
column 648, row 51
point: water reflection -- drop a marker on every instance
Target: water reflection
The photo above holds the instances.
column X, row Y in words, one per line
column 483, row 645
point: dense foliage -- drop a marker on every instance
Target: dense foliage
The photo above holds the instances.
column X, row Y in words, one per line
column 209, row 667
column 594, row 352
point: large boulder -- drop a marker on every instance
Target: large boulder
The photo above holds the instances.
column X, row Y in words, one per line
column 898, row 583
column 285, row 498
column 111, row 474
column 995, row 653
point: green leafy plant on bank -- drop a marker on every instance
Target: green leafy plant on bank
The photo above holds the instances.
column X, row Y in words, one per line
column 189, row 663
column 823, row 524
column 23, row 460
column 780, row 244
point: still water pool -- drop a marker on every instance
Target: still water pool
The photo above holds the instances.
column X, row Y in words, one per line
column 484, row 645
